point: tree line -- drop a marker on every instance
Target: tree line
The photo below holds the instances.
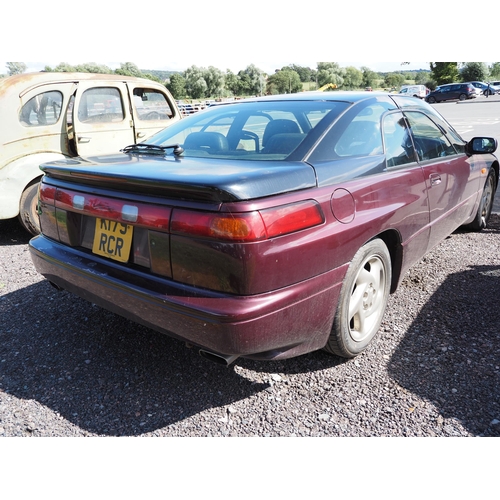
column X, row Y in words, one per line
column 207, row 83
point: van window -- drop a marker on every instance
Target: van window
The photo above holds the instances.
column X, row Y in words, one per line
column 150, row 104
column 43, row 109
column 101, row 105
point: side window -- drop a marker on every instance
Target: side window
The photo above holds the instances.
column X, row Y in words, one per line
column 398, row 146
column 43, row 109
column 151, row 104
column 430, row 140
column 101, row 105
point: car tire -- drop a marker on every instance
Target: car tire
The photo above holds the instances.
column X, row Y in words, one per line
column 362, row 302
column 486, row 204
column 431, row 100
column 28, row 208
column 462, row 97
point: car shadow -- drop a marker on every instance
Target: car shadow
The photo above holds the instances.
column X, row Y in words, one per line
column 105, row 374
column 12, row 233
column 450, row 354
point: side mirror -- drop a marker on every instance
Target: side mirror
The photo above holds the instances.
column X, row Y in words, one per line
column 481, row 145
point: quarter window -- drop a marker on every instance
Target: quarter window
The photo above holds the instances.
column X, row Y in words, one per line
column 43, row 109
column 398, row 146
column 362, row 136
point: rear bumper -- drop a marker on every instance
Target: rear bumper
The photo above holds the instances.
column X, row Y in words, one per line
column 275, row 325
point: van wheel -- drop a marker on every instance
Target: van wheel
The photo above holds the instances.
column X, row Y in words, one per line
column 28, row 208
column 362, row 302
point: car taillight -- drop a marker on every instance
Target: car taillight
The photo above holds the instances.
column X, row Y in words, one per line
column 225, row 226
column 235, row 227
column 248, row 226
column 291, row 218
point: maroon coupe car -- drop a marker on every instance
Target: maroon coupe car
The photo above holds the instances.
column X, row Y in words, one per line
column 265, row 228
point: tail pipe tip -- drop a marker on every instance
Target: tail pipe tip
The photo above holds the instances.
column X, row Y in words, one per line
column 220, row 359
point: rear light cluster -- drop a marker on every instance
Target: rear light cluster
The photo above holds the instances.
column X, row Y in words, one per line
column 237, row 227
column 141, row 214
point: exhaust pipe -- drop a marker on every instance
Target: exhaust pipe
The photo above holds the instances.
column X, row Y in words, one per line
column 220, row 359
column 57, row 287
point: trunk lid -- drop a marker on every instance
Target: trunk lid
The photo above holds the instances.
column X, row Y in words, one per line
column 203, row 179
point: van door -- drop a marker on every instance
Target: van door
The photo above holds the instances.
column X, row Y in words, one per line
column 153, row 109
column 101, row 118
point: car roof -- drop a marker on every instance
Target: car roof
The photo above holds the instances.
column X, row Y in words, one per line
column 336, row 95
column 26, row 81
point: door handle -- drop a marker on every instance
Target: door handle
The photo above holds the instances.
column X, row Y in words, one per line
column 435, row 179
column 83, row 140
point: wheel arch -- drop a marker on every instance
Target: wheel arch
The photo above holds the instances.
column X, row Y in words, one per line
column 17, row 176
column 392, row 240
column 496, row 167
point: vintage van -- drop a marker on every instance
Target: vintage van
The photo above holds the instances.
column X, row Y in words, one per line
column 54, row 116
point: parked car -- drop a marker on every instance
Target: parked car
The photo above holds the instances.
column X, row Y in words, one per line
column 496, row 84
column 485, row 88
column 51, row 116
column 452, row 91
column 419, row 91
column 268, row 227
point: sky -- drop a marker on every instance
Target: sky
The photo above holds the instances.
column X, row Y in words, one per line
column 231, row 35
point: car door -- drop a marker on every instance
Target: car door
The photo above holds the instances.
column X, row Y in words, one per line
column 153, row 109
column 444, row 93
column 41, row 126
column 101, row 118
column 451, row 184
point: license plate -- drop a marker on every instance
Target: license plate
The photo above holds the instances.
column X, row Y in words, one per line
column 112, row 239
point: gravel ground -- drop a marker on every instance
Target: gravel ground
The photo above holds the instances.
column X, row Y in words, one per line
column 68, row 368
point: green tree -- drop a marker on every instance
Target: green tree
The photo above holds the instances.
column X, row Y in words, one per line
column 196, row 86
column 285, row 81
column 61, row 68
column 16, row 68
column 353, row 78
column 231, row 82
column 494, row 70
column 94, row 68
column 177, row 86
column 252, row 80
column 305, row 73
column 394, row 80
column 472, row 71
column 330, row 72
column 128, row 69
column 444, row 72
column 214, row 78
column 422, row 77
column 369, row 77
